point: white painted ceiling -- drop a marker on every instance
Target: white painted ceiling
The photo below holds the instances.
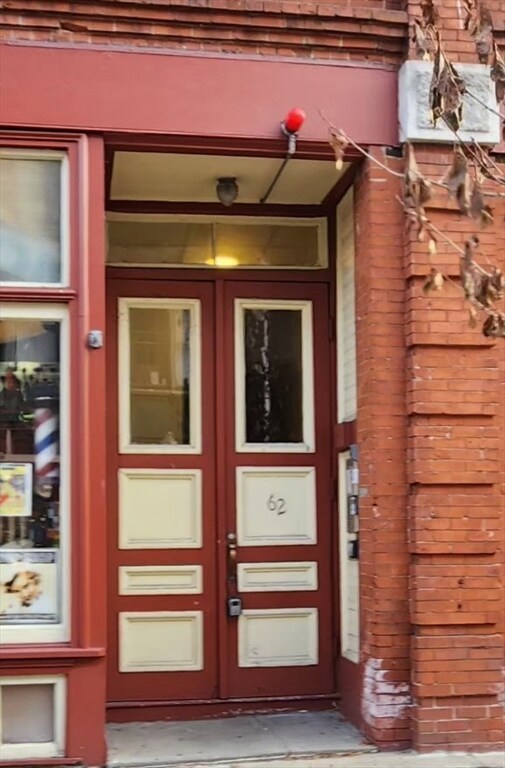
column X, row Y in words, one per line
column 183, row 178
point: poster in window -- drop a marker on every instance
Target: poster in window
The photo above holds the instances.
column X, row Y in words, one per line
column 29, row 586
column 15, row 489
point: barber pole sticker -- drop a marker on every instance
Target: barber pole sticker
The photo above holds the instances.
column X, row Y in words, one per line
column 46, row 445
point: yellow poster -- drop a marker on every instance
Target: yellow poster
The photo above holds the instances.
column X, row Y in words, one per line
column 15, row 489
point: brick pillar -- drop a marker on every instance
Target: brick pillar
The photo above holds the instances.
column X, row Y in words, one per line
column 456, row 473
column 382, row 439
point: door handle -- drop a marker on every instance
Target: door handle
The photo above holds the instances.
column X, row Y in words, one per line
column 231, row 548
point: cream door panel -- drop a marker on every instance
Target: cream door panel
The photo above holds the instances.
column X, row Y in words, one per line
column 160, row 580
column 276, row 505
column 277, row 577
column 160, row 641
column 284, row 637
column 160, row 509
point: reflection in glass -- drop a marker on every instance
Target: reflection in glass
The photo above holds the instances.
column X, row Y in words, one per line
column 30, row 214
column 29, row 471
column 273, row 378
column 160, row 375
column 156, row 241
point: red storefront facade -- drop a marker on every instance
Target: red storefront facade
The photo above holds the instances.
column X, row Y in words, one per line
column 156, row 528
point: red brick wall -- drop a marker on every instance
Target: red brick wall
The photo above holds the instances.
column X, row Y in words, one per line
column 456, row 473
column 456, row 40
column 431, row 426
column 367, row 30
column 382, row 437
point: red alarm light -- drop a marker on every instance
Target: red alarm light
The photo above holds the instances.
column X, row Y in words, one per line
column 294, row 120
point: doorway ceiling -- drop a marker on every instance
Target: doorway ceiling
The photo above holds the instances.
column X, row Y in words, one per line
column 167, row 177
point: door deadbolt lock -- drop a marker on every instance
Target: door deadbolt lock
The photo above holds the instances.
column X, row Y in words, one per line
column 234, row 606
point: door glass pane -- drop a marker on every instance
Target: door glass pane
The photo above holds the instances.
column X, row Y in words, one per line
column 160, row 373
column 30, row 471
column 30, row 219
column 273, row 375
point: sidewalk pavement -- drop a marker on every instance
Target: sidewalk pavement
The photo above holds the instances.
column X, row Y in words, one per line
column 288, row 740
column 376, row 760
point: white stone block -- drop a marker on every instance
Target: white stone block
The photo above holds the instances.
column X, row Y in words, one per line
column 414, row 108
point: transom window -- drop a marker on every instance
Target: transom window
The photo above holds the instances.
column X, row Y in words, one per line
column 227, row 241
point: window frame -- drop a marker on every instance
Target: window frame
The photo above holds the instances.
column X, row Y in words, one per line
column 48, row 155
column 45, row 749
column 305, row 307
column 195, row 388
column 29, row 634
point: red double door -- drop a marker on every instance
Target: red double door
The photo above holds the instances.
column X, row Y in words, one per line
column 219, row 499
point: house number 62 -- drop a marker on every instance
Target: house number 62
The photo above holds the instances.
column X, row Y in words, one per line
column 276, row 504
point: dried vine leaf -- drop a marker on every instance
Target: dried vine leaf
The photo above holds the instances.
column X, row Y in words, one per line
column 459, row 182
column 479, row 24
column 482, row 289
column 434, row 281
column 467, row 269
column 446, row 91
column 472, row 316
column 430, row 13
column 421, row 41
column 416, row 193
column 495, row 325
column 339, row 143
column 479, row 209
column 498, row 73
column 471, row 13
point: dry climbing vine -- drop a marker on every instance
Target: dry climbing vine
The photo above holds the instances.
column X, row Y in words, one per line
column 472, row 180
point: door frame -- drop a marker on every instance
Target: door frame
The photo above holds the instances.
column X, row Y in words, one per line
column 181, row 709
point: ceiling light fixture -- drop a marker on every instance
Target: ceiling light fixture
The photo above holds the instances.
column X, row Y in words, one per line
column 227, row 190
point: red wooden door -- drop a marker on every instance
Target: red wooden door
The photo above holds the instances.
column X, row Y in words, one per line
column 161, row 491
column 275, row 481
column 219, row 489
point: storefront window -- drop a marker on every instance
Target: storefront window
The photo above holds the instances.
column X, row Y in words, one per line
column 32, row 468
column 33, row 221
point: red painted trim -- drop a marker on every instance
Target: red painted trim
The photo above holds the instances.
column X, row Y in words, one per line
column 97, row 90
column 345, row 435
column 343, row 184
column 229, row 146
column 173, row 274
column 215, row 209
column 255, row 700
column 52, row 295
column 89, row 435
column 42, row 763
column 16, row 652
column 201, row 710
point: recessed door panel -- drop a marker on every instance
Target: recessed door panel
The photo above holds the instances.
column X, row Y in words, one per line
column 276, row 506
